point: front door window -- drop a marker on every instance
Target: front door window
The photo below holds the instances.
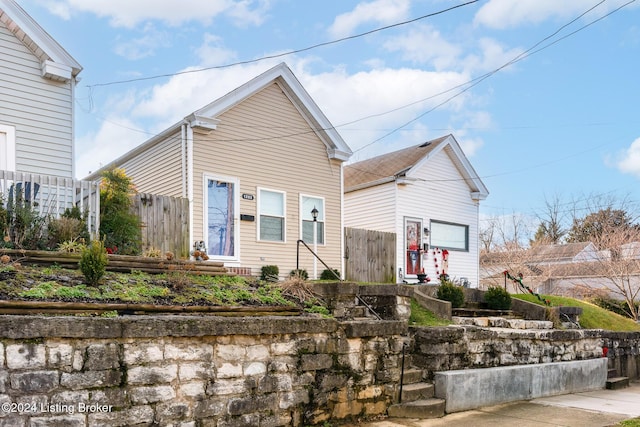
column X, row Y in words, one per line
column 220, row 219
column 413, row 241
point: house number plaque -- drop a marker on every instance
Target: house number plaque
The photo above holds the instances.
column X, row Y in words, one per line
column 246, row 196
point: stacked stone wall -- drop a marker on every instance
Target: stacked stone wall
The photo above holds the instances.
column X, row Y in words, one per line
column 195, row 371
column 464, row 347
column 623, row 352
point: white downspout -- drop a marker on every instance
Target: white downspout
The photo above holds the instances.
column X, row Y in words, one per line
column 189, row 144
column 342, row 248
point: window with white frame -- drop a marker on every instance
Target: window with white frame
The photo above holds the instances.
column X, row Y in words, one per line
column 7, row 148
column 449, row 235
column 271, row 215
column 307, row 204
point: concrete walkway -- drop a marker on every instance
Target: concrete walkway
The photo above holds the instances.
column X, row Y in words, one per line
column 589, row 409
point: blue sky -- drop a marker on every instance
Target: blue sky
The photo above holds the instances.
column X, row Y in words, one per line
column 562, row 121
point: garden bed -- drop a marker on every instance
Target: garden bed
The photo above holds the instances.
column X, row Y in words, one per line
column 119, row 263
column 29, row 285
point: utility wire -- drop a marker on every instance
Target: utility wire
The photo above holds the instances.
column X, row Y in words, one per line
column 476, row 81
column 291, row 52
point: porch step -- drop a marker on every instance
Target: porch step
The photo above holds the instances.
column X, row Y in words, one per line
column 417, row 391
column 617, row 383
column 424, row 408
column 412, row 376
column 501, row 322
column 611, row 373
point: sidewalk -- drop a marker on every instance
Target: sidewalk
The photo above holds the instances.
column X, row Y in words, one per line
column 589, row 409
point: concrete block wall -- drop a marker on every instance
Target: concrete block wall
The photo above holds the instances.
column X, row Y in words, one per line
column 475, row 388
column 188, row 371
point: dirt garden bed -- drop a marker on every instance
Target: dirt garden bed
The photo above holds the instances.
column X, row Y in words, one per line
column 38, row 282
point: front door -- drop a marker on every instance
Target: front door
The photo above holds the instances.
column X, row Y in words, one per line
column 412, row 246
column 220, row 218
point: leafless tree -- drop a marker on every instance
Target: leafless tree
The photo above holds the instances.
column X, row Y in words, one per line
column 619, row 264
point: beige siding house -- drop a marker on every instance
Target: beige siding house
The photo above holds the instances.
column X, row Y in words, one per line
column 38, row 79
column 429, row 195
column 253, row 165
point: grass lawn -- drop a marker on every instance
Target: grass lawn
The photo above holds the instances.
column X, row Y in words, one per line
column 593, row 317
column 420, row 316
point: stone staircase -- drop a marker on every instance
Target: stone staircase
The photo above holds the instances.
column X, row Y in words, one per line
column 417, row 399
column 502, row 322
column 615, row 382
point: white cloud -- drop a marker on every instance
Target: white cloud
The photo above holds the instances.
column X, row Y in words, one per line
column 630, row 160
column 343, row 97
column 113, row 139
column 143, row 46
column 212, row 52
column 492, row 56
column 129, row 13
column 502, row 14
column 377, row 11
column 425, row 44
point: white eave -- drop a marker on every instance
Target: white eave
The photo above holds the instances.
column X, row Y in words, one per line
column 56, row 63
column 202, row 124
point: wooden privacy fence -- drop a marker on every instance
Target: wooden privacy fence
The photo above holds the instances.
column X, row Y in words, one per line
column 370, row 255
column 165, row 222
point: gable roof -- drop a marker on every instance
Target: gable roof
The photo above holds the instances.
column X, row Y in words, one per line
column 205, row 119
column 401, row 165
column 57, row 64
column 579, row 251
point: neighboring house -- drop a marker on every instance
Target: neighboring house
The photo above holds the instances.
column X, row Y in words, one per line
column 429, row 195
column 578, row 270
column 37, row 87
column 38, row 79
column 253, row 164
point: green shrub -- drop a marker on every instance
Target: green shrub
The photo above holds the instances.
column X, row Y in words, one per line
column 269, row 273
column 119, row 226
column 497, row 298
column 330, row 275
column 93, row 262
column 302, row 274
column 452, row 293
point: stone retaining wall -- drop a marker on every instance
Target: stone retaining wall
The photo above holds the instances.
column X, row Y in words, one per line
column 623, row 352
column 463, row 347
column 188, row 371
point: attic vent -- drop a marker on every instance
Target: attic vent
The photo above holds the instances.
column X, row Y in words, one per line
column 426, row 144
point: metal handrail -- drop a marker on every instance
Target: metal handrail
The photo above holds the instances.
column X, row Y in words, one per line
column 315, row 255
column 332, row 272
column 404, row 346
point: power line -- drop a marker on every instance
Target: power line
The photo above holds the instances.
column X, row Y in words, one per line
column 476, row 81
column 291, row 52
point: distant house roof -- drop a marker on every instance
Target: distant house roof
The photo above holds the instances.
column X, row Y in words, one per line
column 57, row 64
column 569, row 252
column 205, row 119
column 401, row 164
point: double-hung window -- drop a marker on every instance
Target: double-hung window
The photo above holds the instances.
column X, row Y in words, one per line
column 271, row 215
column 307, row 204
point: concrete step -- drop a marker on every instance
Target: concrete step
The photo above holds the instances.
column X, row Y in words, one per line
column 359, row 311
column 412, row 376
column 426, row 408
column 501, row 322
column 416, row 391
column 617, row 383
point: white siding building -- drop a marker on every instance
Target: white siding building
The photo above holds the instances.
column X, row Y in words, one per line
column 38, row 79
column 429, row 195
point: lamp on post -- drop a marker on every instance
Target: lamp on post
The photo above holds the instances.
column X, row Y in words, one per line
column 314, row 214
